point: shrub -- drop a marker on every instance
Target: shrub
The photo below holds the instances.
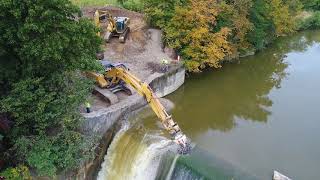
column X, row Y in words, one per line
column 312, row 22
column 311, row 4
column 20, row 172
column 48, row 154
column 133, row 5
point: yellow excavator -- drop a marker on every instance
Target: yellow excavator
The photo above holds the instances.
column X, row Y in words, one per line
column 118, row 74
column 117, row 26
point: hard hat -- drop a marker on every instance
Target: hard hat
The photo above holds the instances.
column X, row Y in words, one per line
column 165, row 61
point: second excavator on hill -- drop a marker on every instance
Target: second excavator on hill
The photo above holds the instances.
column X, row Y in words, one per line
column 117, row 26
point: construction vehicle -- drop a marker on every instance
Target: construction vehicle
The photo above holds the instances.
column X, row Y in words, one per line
column 118, row 74
column 117, row 26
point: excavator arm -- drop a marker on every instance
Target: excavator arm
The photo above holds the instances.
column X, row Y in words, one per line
column 100, row 15
column 120, row 73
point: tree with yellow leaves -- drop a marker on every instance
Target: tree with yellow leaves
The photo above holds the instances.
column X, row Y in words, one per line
column 191, row 32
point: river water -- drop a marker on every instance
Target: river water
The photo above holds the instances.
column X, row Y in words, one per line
column 246, row 119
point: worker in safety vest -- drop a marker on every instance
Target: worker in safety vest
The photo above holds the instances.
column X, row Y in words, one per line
column 88, row 106
column 165, row 65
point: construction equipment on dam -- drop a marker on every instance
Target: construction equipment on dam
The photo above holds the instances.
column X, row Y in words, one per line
column 117, row 75
column 116, row 26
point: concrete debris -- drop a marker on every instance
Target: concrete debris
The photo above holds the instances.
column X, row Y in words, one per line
column 279, row 176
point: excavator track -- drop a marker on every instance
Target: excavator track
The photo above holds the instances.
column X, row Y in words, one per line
column 124, row 35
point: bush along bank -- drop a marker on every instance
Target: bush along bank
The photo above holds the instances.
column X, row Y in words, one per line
column 310, row 22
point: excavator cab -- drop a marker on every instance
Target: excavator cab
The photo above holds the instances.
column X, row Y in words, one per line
column 121, row 24
column 108, row 65
column 121, row 28
column 114, row 84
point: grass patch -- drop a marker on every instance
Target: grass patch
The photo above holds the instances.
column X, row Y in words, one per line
column 312, row 21
column 133, row 5
column 84, row 3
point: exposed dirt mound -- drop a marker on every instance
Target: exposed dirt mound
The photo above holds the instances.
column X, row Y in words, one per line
column 142, row 50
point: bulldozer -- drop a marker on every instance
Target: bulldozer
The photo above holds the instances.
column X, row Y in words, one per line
column 116, row 26
column 117, row 74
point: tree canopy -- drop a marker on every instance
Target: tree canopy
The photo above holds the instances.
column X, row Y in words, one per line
column 44, row 47
column 207, row 32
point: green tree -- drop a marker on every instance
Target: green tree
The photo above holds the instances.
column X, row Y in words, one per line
column 235, row 15
column 263, row 29
column 283, row 21
column 160, row 12
column 311, row 4
column 312, row 22
column 44, row 47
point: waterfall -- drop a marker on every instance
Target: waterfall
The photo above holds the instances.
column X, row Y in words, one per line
column 135, row 154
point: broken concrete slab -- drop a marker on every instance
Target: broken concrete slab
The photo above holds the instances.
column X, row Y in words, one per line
column 279, row 176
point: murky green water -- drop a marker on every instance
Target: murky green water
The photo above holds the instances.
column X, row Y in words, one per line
column 246, row 119
column 261, row 114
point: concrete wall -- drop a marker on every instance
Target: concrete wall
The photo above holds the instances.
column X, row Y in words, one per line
column 103, row 121
column 100, row 121
column 165, row 84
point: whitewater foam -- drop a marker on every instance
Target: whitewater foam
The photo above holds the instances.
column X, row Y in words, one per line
column 108, row 159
